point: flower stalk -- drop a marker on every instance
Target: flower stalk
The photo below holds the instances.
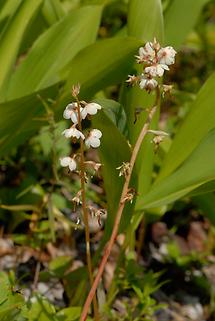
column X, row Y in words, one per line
column 85, row 210
column 122, row 202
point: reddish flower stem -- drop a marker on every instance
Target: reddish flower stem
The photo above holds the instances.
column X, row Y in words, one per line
column 122, row 202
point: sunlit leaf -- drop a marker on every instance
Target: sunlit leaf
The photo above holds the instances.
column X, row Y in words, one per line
column 197, row 124
column 11, row 38
column 197, row 170
column 53, row 50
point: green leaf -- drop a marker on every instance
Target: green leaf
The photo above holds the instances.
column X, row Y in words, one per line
column 52, row 11
column 180, row 18
column 114, row 150
column 103, row 70
column 115, row 112
column 8, row 7
column 197, row 170
column 145, row 19
column 197, row 124
column 14, row 128
column 102, row 64
column 59, row 265
column 54, row 49
column 40, row 309
column 132, row 99
column 11, row 38
column 69, row 314
column 203, row 189
column 10, row 301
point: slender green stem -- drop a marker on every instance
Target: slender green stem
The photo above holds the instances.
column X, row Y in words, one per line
column 85, row 213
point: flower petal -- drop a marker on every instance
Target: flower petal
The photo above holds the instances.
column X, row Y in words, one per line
column 72, row 165
column 64, row 161
column 96, row 133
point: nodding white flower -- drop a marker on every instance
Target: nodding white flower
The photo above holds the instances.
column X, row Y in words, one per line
column 73, row 132
column 68, row 161
column 146, row 53
column 166, row 55
column 93, row 139
column 90, row 109
column 71, row 112
column 148, row 83
column 156, row 70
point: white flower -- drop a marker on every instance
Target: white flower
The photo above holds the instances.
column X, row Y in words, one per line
column 146, row 53
column 156, row 70
column 166, row 55
column 93, row 139
column 68, row 161
column 73, row 132
column 90, row 109
column 71, row 112
column 148, row 84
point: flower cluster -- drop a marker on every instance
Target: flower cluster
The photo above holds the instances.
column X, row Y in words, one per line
column 77, row 112
column 156, row 60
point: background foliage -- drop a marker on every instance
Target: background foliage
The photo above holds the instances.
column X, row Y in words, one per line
column 46, row 46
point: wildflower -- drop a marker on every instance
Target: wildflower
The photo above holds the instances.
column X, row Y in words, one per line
column 90, row 109
column 96, row 166
column 68, row 161
column 146, row 53
column 147, row 83
column 98, row 213
column 155, row 61
column 132, row 80
column 129, row 196
column 73, row 132
column 71, row 112
column 166, row 55
column 124, row 169
column 93, row 139
column 158, row 138
column 77, row 198
column 167, row 89
column 156, row 70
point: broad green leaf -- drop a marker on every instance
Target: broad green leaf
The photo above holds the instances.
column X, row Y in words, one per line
column 180, row 18
column 102, row 64
column 8, row 7
column 198, row 122
column 12, row 35
column 20, row 118
column 116, row 113
column 52, row 11
column 53, row 50
column 204, row 189
column 197, row 170
column 132, row 99
column 145, row 19
column 103, row 70
column 114, row 150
